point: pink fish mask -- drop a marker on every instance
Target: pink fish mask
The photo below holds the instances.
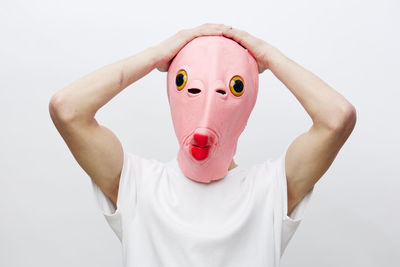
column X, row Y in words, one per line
column 212, row 86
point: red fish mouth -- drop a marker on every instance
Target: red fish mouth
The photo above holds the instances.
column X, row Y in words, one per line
column 199, row 152
column 201, row 143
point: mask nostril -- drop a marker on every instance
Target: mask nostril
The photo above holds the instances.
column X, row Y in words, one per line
column 194, row 91
column 222, row 92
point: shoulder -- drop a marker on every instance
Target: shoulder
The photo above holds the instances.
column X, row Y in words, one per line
column 264, row 175
column 137, row 167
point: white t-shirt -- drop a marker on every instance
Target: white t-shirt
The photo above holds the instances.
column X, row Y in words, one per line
column 164, row 219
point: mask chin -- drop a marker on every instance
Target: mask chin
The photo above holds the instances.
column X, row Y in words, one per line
column 212, row 168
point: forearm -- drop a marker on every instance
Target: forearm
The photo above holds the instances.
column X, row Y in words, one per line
column 84, row 97
column 325, row 106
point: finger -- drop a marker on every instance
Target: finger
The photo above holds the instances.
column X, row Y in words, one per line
column 210, row 29
column 212, row 26
column 244, row 38
column 237, row 35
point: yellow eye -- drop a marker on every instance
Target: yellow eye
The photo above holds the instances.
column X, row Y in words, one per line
column 237, row 85
column 181, row 79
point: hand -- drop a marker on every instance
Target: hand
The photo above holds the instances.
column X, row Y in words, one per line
column 260, row 49
column 170, row 47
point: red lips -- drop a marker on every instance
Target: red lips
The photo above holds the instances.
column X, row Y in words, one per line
column 200, row 146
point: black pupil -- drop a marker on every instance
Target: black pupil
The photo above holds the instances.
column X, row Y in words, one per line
column 238, row 86
column 179, row 79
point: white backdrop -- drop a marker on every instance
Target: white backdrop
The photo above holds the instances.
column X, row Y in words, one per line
column 48, row 213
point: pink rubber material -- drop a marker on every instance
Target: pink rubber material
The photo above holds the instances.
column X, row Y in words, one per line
column 209, row 122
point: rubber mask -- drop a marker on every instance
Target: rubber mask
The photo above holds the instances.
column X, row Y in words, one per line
column 212, row 86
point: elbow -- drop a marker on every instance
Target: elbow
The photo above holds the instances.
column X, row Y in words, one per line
column 59, row 109
column 346, row 119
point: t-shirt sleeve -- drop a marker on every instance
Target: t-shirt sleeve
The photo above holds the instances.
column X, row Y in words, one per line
column 290, row 222
column 126, row 200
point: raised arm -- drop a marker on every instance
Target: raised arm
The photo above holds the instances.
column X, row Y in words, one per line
column 72, row 109
column 97, row 149
column 311, row 154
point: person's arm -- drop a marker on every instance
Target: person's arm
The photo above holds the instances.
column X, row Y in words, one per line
column 97, row 149
column 72, row 109
column 81, row 100
column 312, row 153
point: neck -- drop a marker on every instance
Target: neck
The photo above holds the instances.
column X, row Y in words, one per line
column 233, row 165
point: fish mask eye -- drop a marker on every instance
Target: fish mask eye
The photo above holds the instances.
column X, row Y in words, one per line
column 237, row 85
column 181, row 79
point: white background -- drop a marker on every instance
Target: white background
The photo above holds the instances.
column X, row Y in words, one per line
column 48, row 213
